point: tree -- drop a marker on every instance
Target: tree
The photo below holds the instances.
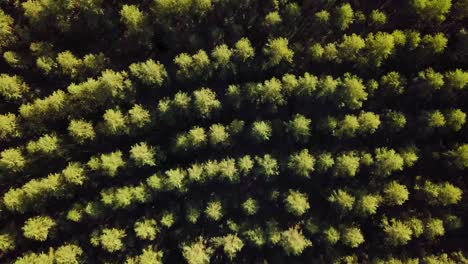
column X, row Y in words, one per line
column 293, row 241
column 270, row 92
column 352, row 237
column 346, row 165
column 368, row 122
column 379, row 47
column 430, row 10
column 344, row 16
column 434, row 119
column 393, row 83
column 296, row 203
column 69, row 64
column 148, row 255
column 378, row 17
column 114, row 122
column 386, row 162
column 243, row 49
column 261, row 131
column 214, row 210
column 7, row 242
column 395, row 193
column 146, row 229
column 331, row 235
column 175, row 180
column 441, row 194
column 68, row 254
column 228, row 170
column 352, row 91
column 350, row 47
column 342, row 200
column 347, row 127
column 132, row 17
column 232, row 245
column 301, row 163
column 267, row 166
column 277, row 51
column 81, row 130
column 397, row 233
column 395, row 120
column 167, row 219
column 38, row 228
column 250, row 206
column 434, row 228
column 143, row 155
column 324, row 162
column 74, row 173
column 197, row 252
column 9, row 126
column 456, row 79
column 205, row 102
column 218, row 135
column 12, row 88
column 150, row 73
column 245, row 165
column 111, row 239
column 47, row 145
column 222, row 56
column 272, row 19
column 455, row 119
column 431, row 78
column 109, row 163
column 435, row 43
column 368, row 204
column 12, row 160
column 459, row 156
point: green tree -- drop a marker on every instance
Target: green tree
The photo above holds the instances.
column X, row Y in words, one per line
column 296, row 203
column 109, row 163
column 205, row 102
column 143, row 155
column 441, row 194
column 352, row 91
column 397, row 233
column 114, row 122
column 214, row 210
column 350, row 47
column 378, row 18
column 218, row 135
column 38, row 228
column 81, row 130
column 111, row 239
column 68, row 254
column 272, row 19
column 12, row 160
column 232, row 245
column 12, row 88
column 342, row 200
column 434, row 228
column 352, row 237
column 250, row 206
column 146, row 229
column 293, row 241
column 243, row 49
column 267, row 166
column 455, row 119
column 393, row 83
column 367, row 204
column 395, row 120
column 324, row 162
column 346, row 165
column 277, row 51
column 197, row 252
column 222, row 56
column 458, row 156
column 434, row 119
column 435, row 43
column 74, row 173
column 395, row 193
column 301, row 163
column 431, row 10
column 261, row 131
column 132, row 17
column 7, row 242
column 47, row 145
column 344, row 16
column 9, row 126
column 150, row 73
column 387, row 161
column 347, row 127
column 331, row 235
column 456, row 79
column 379, row 47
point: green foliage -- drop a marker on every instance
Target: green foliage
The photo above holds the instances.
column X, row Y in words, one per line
column 68, row 254
column 434, row 228
column 146, row 229
column 352, row 92
column 301, row 163
column 331, row 235
column 261, row 131
column 12, row 160
column 197, row 252
column 218, row 135
column 458, row 156
column 108, row 163
column 346, row 165
column 38, row 228
column 277, row 51
column 293, row 241
column 387, row 161
column 455, row 119
column 8, row 126
column 143, row 155
column 111, row 239
column 214, row 210
column 132, row 17
column 45, row 145
column 232, row 245
column 267, row 166
column 368, row 204
column 205, row 102
column 344, row 16
column 222, row 56
column 250, row 206
column 150, row 73
column 74, row 173
column 441, row 194
column 12, row 88
column 243, row 49
column 342, row 199
column 81, row 130
column 115, row 122
column 352, row 237
column 396, row 232
column 296, row 203
column 395, row 193
column 7, row 242
column 431, row 10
